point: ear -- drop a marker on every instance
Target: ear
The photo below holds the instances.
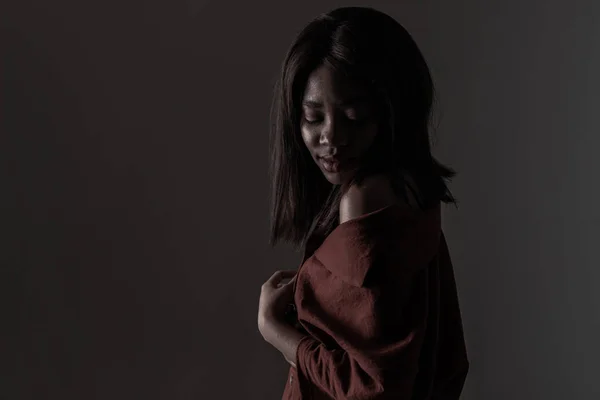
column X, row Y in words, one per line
column 374, row 193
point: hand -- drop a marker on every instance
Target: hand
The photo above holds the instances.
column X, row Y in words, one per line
column 275, row 295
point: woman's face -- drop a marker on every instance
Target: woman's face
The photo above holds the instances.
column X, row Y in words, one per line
column 337, row 121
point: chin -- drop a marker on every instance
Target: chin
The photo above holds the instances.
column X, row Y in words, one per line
column 334, row 179
column 337, row 178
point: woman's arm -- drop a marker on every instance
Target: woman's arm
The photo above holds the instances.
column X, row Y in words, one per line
column 284, row 338
column 379, row 333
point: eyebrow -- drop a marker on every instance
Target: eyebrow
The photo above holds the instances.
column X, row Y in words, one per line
column 351, row 101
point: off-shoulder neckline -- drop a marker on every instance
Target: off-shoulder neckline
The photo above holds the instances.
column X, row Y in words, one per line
column 399, row 209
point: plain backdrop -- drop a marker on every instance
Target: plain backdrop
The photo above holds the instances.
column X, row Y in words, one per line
column 134, row 193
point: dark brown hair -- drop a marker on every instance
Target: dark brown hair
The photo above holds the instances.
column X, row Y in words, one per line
column 368, row 47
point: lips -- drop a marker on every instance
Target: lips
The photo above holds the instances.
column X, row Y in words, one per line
column 330, row 166
column 334, row 164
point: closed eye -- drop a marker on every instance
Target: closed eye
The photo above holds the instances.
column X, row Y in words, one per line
column 358, row 118
column 356, row 121
column 358, row 115
column 313, row 121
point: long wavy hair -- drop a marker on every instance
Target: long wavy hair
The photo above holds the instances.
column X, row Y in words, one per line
column 368, row 47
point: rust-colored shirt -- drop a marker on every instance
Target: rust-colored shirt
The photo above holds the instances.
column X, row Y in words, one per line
column 377, row 299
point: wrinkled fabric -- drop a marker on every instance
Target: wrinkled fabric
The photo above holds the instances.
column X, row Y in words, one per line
column 378, row 302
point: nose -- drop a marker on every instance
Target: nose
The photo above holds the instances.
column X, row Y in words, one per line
column 334, row 133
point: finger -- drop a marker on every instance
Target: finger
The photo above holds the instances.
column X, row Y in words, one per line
column 278, row 276
column 282, row 283
column 289, row 280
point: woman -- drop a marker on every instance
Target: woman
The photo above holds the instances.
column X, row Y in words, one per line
column 375, row 312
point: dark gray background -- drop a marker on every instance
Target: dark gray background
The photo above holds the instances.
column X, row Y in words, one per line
column 135, row 193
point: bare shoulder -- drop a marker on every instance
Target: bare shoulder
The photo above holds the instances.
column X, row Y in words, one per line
column 374, row 193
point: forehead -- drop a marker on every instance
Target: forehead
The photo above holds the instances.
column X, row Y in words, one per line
column 324, row 85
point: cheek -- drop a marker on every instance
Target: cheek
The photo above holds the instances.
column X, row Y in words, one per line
column 308, row 136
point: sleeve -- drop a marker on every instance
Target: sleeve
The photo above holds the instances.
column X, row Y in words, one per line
column 377, row 331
